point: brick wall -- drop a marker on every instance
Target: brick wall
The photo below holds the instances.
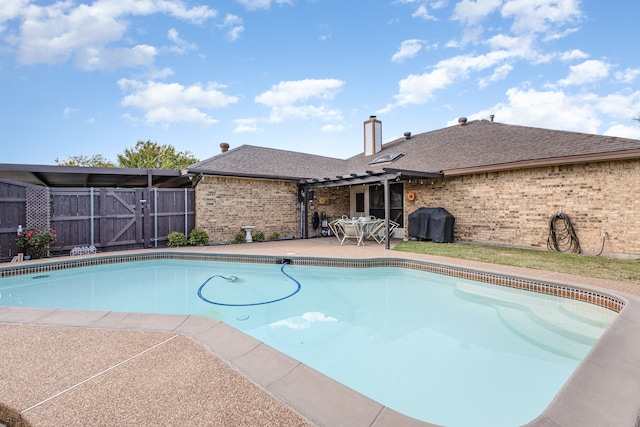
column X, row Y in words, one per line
column 334, row 202
column 510, row 208
column 224, row 204
column 514, row 207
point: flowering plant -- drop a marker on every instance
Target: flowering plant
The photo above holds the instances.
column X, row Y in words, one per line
column 36, row 241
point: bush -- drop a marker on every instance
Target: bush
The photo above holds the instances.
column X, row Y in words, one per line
column 239, row 238
column 198, row 237
column 274, row 236
column 259, row 236
column 175, row 238
column 36, row 241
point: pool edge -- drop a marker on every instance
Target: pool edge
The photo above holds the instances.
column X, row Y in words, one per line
column 599, row 392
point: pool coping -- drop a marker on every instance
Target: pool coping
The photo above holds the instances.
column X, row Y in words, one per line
column 600, row 392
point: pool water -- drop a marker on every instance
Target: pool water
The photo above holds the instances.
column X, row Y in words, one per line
column 440, row 349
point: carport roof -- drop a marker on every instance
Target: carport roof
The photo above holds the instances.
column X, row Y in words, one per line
column 79, row 176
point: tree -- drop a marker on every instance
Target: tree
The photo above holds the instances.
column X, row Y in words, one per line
column 97, row 161
column 151, row 155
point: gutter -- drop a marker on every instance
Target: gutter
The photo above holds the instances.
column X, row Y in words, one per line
column 555, row 161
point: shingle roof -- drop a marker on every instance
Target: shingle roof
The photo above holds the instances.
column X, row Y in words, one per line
column 479, row 144
column 261, row 162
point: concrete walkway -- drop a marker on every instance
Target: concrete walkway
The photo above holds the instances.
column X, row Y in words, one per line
column 60, row 367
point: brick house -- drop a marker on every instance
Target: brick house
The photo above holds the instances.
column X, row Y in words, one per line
column 501, row 182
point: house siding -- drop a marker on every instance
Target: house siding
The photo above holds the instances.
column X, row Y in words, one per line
column 225, row 204
column 514, row 207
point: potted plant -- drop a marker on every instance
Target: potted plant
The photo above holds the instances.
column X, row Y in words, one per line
column 36, row 241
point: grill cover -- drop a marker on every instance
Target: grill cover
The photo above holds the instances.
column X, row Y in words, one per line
column 432, row 224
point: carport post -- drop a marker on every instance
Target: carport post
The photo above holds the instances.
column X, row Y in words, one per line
column 387, row 212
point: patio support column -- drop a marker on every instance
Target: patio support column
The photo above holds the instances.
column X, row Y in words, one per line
column 387, row 212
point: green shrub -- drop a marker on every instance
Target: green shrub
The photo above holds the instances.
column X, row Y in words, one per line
column 239, row 238
column 198, row 237
column 259, row 236
column 274, row 236
column 175, row 238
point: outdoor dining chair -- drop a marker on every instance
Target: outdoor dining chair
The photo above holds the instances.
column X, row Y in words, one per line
column 381, row 235
column 352, row 230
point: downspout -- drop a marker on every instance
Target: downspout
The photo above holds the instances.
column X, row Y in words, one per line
column 303, row 212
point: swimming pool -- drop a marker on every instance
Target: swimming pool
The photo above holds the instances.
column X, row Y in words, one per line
column 394, row 319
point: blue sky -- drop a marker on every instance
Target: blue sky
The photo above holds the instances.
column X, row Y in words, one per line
column 96, row 77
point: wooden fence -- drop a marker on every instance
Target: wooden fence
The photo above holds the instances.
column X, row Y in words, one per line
column 107, row 218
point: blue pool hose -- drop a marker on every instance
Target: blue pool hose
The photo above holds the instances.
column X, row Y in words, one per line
column 234, row 278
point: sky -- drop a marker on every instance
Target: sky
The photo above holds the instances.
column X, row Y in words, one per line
column 88, row 78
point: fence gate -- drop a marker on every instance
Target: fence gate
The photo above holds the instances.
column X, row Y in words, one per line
column 120, row 218
column 107, row 218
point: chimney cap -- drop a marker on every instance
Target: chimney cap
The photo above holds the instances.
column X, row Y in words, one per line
column 372, row 117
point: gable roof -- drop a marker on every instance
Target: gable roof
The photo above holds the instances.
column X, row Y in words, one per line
column 477, row 146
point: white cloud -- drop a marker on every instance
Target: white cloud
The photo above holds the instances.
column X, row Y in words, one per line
column 332, row 128
column 419, row 88
column 180, row 46
column 623, row 131
column 233, row 25
column 423, row 13
column 173, row 102
column 573, row 54
column 93, row 36
column 555, row 109
column 589, row 71
column 499, row 73
column 261, row 4
column 68, row 111
column 408, row 49
column 541, row 16
column 110, row 59
column 471, row 12
column 246, row 125
column 628, row 75
column 292, row 99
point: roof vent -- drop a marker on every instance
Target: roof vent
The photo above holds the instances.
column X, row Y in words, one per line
column 224, row 147
column 407, row 135
column 462, row 121
column 492, row 117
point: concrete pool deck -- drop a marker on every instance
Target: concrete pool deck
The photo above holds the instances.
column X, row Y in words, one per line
column 62, row 367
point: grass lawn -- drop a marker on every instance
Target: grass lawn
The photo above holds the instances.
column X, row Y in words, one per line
column 583, row 265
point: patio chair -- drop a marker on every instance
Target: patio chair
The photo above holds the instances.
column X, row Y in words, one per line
column 336, row 228
column 381, row 235
column 352, row 230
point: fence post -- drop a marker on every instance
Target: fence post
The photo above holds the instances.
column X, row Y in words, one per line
column 155, row 217
column 186, row 213
column 93, row 215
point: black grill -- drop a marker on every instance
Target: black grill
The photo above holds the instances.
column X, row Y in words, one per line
column 434, row 224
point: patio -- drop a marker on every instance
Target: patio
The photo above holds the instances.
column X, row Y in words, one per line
column 69, row 368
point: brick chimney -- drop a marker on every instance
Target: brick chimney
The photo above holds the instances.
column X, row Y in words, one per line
column 372, row 136
column 224, row 147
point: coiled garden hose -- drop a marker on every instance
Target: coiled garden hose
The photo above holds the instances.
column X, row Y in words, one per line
column 562, row 236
